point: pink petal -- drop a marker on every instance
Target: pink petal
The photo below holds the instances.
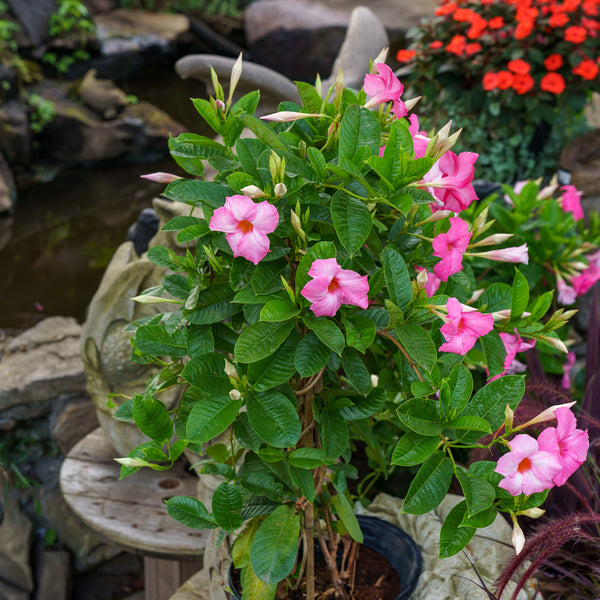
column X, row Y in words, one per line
column 253, row 246
column 324, row 268
column 224, row 220
column 316, row 289
column 354, row 287
column 242, row 207
column 328, row 306
column 267, row 217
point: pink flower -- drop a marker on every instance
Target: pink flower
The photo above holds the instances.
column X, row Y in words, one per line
column 526, row 468
column 514, row 254
column 333, row 286
column 450, row 247
column 450, row 180
column 583, row 282
column 429, row 281
column 160, row 177
column 513, row 344
column 567, row 444
column 567, row 367
column 385, row 87
column 246, row 224
column 571, row 201
column 462, row 327
column 420, row 139
column 566, row 294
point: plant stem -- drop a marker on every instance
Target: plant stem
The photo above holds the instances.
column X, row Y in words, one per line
column 309, row 516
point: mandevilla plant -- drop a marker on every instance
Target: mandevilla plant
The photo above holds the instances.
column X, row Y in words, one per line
column 304, row 308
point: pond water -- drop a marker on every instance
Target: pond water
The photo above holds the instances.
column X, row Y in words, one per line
column 56, row 245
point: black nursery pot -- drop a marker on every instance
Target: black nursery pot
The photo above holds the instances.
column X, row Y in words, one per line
column 388, row 540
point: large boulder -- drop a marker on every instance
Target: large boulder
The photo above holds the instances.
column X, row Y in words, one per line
column 15, row 135
column 8, row 192
column 582, row 158
column 33, row 17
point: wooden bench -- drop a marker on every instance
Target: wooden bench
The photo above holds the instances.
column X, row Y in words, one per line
column 131, row 513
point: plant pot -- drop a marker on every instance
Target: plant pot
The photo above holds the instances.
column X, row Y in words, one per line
column 391, row 542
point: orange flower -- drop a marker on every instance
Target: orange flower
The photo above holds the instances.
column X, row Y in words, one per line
column 590, row 7
column 575, row 34
column 405, row 55
column 496, row 23
column 553, row 62
column 523, row 29
column 505, row 79
column 587, row 69
column 553, row 83
column 446, row 9
column 558, row 20
column 457, row 45
column 518, row 66
column 463, row 14
column 478, row 26
column 436, row 44
column 471, row 49
column 522, row 83
column 571, row 5
column 490, row 81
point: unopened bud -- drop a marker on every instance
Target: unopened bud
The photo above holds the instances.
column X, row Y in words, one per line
column 509, row 415
column 253, row 191
column 380, row 58
column 546, row 415
column 236, row 73
column 532, row 513
column 410, row 104
column 555, row 343
column 297, row 225
column 160, row 177
column 492, row 240
column 130, row 462
column 374, row 380
column 235, row 395
column 287, row 116
column 319, row 85
column 518, row 539
column 280, row 190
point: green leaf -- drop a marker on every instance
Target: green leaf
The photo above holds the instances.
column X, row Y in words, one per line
column 356, row 372
column 214, row 305
column 211, row 417
column 347, row 517
column 196, row 193
column 460, row 381
column 359, row 127
column 490, row 401
column 274, row 419
column 327, row 331
column 470, row 423
column 494, row 352
column 278, row 310
column 311, row 355
column 200, row 341
column 397, row 278
column 364, row 407
column 360, row 332
column 276, row 369
column 190, row 512
column 125, row 411
column 430, row 485
column 496, row 297
column 413, row 449
column 307, row 458
column 261, row 340
column 334, row 433
column 208, row 113
column 351, row 219
column 303, row 480
column 262, row 485
column 520, row 296
column 421, row 416
column 479, row 493
column 317, row 161
column 240, row 552
column 419, row 345
column 227, row 504
column 275, row 545
column 154, row 340
column 152, row 418
column 453, row 537
column 264, row 133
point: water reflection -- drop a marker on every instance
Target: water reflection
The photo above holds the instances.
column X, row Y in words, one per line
column 54, row 249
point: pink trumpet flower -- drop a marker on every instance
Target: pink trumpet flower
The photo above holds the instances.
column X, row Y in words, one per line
column 246, row 224
column 333, row 286
column 571, row 201
column 462, row 327
column 420, row 139
column 513, row 344
column 449, row 180
column 385, row 87
column 160, row 177
column 567, row 443
column 526, row 468
column 450, row 247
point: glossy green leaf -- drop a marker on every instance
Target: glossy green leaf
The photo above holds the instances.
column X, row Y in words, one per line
column 211, row 417
column 261, row 340
column 413, row 449
column 327, row 331
column 307, row 458
column 214, row 304
column 343, row 508
column 276, row 369
column 419, row 345
column 278, row 310
column 351, row 219
column 334, row 433
column 479, row 493
column 397, row 278
column 311, row 355
column 154, row 340
column 152, row 418
column 520, row 296
column 360, row 332
column 356, row 372
column 274, row 419
column 275, row 545
column 190, row 512
column 421, row 416
column 359, row 127
column 453, row 536
column 430, row 485
column 227, row 505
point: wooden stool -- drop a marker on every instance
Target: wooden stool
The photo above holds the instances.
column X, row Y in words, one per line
column 131, row 513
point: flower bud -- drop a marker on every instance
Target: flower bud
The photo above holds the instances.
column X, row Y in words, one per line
column 160, row 177
column 492, row 240
column 380, row 58
column 554, row 342
column 297, row 225
column 532, row 513
column 236, row 73
column 280, row 190
column 235, row 395
column 410, row 104
column 130, row 462
column 287, row 116
column 253, row 191
column 374, row 380
column 518, row 539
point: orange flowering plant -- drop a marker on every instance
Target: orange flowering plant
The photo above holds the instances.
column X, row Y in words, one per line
column 522, row 70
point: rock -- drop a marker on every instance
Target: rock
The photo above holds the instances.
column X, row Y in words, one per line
column 15, row 544
column 97, row 7
column 48, row 364
column 143, row 230
column 15, row 136
column 582, row 158
column 54, row 581
column 33, row 17
column 88, row 550
column 8, row 192
column 592, row 111
column 77, row 136
column 102, row 95
column 74, row 422
column 301, row 38
column 8, row 77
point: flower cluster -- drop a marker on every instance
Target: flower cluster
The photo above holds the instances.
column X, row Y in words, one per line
column 522, row 61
